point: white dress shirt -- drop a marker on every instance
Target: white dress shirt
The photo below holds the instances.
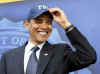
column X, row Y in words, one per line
column 28, row 52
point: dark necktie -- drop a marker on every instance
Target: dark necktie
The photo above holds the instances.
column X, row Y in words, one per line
column 32, row 63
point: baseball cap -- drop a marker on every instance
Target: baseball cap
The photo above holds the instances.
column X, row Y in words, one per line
column 37, row 10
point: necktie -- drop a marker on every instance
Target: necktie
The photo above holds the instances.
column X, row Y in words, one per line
column 32, row 63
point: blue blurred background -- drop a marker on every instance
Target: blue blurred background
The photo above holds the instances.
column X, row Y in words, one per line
column 84, row 14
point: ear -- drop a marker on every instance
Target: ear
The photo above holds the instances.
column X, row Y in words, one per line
column 26, row 24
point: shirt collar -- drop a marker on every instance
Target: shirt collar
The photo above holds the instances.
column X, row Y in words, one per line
column 30, row 45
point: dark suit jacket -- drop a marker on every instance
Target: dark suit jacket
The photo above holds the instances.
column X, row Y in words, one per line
column 60, row 59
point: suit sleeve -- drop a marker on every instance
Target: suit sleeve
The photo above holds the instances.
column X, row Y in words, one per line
column 84, row 54
column 2, row 65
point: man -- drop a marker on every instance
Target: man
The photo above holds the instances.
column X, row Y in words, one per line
column 48, row 59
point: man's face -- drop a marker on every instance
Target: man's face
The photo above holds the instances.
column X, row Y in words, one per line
column 40, row 28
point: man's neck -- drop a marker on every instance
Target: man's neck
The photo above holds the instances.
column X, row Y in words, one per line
column 36, row 43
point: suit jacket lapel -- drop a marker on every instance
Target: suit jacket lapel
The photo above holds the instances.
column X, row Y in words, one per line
column 45, row 55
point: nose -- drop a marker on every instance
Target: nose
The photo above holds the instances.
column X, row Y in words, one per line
column 44, row 25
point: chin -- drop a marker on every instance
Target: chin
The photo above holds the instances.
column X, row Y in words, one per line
column 42, row 40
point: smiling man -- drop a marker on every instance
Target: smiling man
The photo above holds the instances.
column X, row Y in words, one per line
column 40, row 27
column 38, row 56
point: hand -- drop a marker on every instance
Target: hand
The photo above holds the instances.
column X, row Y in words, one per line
column 60, row 17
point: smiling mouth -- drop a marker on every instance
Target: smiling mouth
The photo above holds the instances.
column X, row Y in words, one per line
column 43, row 32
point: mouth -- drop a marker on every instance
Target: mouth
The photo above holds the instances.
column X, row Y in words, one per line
column 43, row 33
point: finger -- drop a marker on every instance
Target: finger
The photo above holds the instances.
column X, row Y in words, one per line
column 54, row 9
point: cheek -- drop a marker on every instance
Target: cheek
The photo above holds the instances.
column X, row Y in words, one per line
column 34, row 27
column 33, row 31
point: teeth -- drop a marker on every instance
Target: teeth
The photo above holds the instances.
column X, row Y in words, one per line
column 43, row 33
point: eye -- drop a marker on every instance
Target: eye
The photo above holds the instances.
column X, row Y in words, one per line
column 38, row 21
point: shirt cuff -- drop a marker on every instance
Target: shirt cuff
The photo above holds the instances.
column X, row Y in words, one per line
column 68, row 29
